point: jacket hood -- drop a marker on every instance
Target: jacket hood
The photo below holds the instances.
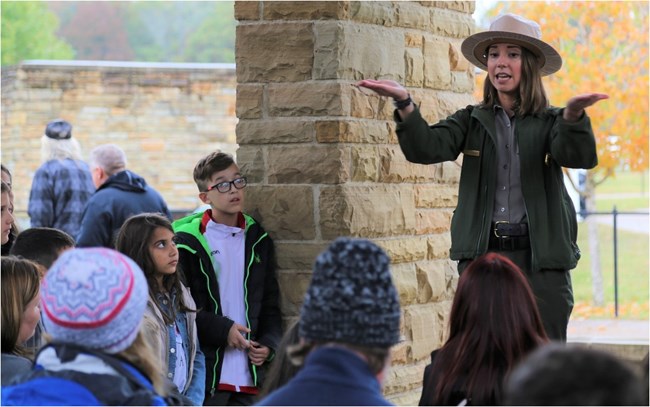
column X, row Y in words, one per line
column 126, row 181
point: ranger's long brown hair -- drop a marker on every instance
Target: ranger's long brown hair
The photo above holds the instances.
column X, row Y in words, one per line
column 494, row 323
column 531, row 99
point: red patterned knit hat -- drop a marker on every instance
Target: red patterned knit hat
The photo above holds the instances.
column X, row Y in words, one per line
column 94, row 297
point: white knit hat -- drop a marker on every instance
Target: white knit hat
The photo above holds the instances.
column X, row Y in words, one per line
column 94, row 297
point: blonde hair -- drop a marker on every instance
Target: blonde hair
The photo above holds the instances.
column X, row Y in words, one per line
column 52, row 149
column 144, row 355
column 19, row 286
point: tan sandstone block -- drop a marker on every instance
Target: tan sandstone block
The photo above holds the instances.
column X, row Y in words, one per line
column 407, row 398
column 380, row 13
column 435, row 220
column 308, row 164
column 457, row 61
column 463, row 6
column 403, row 378
column 369, row 211
column 433, row 280
column 293, row 286
column 405, row 249
column 367, row 105
column 436, row 196
column 406, row 281
column 274, row 131
column 306, row 10
column 365, row 163
column 395, row 168
column 414, row 67
column 350, row 51
column 451, row 24
column 249, row 101
column 425, row 324
column 413, row 40
column 286, row 212
column 274, row 52
column 462, row 81
column 367, row 132
column 308, row 99
column 298, row 255
column 449, row 171
column 247, row 10
column 438, row 246
column 437, row 72
column 250, row 159
column 413, row 15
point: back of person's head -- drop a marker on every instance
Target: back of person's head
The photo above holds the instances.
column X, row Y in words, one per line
column 20, row 286
column 109, row 157
column 208, row 166
column 494, row 322
column 559, row 374
column 282, row 367
column 494, row 300
column 57, row 142
column 94, row 297
column 42, row 245
column 352, row 300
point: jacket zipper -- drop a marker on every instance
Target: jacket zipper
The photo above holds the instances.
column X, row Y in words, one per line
column 248, row 323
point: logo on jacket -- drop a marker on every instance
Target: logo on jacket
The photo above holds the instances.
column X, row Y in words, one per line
column 257, row 258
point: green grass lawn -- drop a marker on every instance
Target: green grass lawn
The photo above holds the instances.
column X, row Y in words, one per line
column 633, row 266
column 626, row 182
column 627, row 204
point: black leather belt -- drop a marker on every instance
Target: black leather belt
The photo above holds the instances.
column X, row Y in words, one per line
column 507, row 229
column 505, row 236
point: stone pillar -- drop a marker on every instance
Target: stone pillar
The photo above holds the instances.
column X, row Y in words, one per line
column 322, row 157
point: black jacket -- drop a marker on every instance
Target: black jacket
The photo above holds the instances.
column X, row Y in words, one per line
column 261, row 291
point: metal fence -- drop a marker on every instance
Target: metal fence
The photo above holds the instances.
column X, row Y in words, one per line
column 615, row 213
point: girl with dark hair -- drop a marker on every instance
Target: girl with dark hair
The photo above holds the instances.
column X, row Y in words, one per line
column 511, row 195
column 20, row 314
column 149, row 240
column 494, row 323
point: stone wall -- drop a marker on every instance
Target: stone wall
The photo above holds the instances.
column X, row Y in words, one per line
column 165, row 117
column 322, row 156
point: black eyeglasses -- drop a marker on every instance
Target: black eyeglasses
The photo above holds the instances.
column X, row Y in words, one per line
column 225, row 186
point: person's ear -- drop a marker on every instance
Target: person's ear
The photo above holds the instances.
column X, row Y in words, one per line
column 203, row 196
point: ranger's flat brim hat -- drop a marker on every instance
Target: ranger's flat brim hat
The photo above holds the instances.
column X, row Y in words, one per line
column 512, row 29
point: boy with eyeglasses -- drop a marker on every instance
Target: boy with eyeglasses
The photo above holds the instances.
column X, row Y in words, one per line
column 229, row 265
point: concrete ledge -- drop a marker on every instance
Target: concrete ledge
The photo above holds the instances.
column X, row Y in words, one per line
column 633, row 351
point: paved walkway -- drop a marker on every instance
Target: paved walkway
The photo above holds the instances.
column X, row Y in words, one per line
column 609, row 331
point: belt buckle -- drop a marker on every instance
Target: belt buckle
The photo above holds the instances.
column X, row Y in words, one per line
column 497, row 223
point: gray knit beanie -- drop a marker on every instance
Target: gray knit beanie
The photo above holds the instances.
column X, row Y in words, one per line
column 351, row 298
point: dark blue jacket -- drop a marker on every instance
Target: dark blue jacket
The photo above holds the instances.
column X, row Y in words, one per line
column 331, row 376
column 72, row 375
column 122, row 195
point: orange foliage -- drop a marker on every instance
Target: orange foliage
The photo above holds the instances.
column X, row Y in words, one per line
column 604, row 46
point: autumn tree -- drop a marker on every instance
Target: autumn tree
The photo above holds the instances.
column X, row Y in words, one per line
column 97, row 30
column 604, row 46
column 28, row 32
